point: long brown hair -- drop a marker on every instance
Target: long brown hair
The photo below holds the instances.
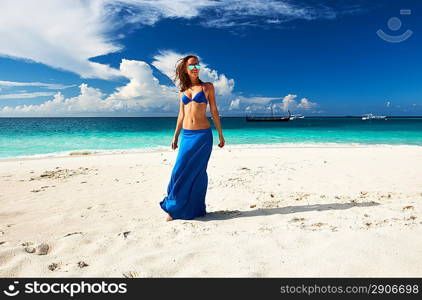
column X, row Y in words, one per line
column 182, row 78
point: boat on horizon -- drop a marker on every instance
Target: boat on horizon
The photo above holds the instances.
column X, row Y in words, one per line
column 371, row 116
column 271, row 118
column 292, row 117
column 220, row 116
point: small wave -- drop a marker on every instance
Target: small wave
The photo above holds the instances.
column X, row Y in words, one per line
column 82, row 152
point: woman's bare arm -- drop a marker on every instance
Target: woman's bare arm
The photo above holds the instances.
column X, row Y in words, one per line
column 180, row 118
column 213, row 108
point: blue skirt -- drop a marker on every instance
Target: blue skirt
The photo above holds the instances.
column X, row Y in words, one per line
column 188, row 184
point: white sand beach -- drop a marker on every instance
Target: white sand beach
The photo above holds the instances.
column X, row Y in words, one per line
column 272, row 212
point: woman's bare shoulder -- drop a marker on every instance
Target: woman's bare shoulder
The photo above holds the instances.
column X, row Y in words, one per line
column 208, row 85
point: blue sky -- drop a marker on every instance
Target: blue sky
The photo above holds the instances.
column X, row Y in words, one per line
column 116, row 58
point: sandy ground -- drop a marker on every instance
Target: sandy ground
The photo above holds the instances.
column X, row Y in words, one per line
column 272, row 212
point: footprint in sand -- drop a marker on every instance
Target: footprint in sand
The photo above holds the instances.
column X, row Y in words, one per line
column 82, row 264
column 43, row 249
column 131, row 274
column 42, row 189
column 333, row 228
column 362, row 194
column 72, row 233
column 318, row 226
column 125, row 234
column 244, row 168
column 63, row 173
column 30, row 249
column 54, row 266
column 407, row 207
column 297, row 219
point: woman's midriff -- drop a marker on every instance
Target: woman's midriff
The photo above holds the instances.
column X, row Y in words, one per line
column 195, row 118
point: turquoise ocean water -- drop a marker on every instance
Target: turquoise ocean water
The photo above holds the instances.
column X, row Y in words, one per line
column 58, row 136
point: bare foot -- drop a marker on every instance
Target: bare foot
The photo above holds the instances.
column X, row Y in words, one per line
column 169, row 218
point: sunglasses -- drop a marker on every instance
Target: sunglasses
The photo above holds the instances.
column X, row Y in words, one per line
column 190, row 67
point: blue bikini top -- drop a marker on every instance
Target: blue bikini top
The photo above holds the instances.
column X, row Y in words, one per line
column 199, row 97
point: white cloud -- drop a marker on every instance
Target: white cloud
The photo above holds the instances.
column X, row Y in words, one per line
column 60, row 34
column 65, row 34
column 243, row 104
column 288, row 102
column 89, row 101
column 144, row 88
column 26, row 95
column 274, row 21
column 89, row 98
column 50, row 86
column 144, row 95
column 257, row 100
column 166, row 62
column 306, row 104
column 150, row 12
column 237, row 13
column 388, row 103
column 234, row 104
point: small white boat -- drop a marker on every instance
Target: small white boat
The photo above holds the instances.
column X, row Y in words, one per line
column 292, row 117
column 220, row 116
column 371, row 116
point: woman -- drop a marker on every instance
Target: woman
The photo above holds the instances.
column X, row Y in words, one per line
column 189, row 180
